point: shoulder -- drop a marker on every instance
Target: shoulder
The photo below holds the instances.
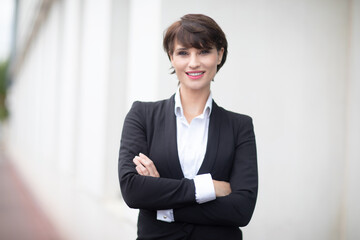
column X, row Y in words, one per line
column 152, row 109
column 241, row 125
column 154, row 105
column 238, row 123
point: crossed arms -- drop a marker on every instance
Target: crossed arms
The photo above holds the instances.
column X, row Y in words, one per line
column 143, row 187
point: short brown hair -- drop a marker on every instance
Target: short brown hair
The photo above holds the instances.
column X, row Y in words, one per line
column 198, row 31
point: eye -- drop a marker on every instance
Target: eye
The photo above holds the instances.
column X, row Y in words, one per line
column 204, row 51
column 182, row 53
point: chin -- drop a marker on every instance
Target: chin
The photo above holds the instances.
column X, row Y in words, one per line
column 196, row 86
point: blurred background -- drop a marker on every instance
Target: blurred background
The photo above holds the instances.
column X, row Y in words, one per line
column 70, row 70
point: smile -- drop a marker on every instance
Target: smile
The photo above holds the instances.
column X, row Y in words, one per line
column 195, row 75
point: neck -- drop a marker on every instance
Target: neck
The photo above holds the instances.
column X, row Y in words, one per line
column 193, row 102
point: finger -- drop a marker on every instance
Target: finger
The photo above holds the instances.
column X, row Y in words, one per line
column 136, row 161
column 140, row 168
column 148, row 164
column 153, row 169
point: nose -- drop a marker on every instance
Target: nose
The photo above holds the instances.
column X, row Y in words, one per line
column 194, row 61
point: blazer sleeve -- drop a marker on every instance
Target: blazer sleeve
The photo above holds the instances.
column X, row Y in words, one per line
column 237, row 208
column 143, row 191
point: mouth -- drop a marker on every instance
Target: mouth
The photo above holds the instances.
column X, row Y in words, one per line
column 195, row 74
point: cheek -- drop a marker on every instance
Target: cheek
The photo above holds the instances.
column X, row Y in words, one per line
column 178, row 64
column 212, row 63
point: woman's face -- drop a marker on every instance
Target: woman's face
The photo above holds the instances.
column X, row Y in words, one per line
column 195, row 68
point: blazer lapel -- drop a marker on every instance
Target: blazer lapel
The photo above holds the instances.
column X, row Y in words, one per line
column 171, row 144
column 213, row 140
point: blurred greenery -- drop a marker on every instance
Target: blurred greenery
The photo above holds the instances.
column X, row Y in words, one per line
column 3, row 87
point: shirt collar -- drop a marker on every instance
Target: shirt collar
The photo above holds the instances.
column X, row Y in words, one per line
column 179, row 110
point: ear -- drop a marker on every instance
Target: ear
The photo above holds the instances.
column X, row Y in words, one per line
column 220, row 55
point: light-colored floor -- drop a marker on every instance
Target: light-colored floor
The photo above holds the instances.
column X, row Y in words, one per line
column 37, row 205
column 21, row 217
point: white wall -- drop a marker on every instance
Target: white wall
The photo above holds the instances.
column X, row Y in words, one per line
column 94, row 72
column 351, row 201
column 144, row 46
column 291, row 66
column 69, row 75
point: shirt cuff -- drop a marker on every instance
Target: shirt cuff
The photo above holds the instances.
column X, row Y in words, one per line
column 204, row 188
column 165, row 215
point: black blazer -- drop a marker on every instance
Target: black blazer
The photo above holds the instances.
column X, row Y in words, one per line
column 150, row 128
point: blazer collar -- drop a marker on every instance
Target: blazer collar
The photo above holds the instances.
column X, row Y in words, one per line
column 213, row 140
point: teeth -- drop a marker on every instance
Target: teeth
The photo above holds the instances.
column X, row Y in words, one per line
column 195, row 74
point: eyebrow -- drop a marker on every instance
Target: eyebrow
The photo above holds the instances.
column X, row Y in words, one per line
column 181, row 49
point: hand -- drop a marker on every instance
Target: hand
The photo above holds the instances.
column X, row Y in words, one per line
column 144, row 166
column 222, row 188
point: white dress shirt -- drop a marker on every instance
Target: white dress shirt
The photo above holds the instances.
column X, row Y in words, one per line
column 191, row 142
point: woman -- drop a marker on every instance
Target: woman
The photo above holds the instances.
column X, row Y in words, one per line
column 189, row 165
